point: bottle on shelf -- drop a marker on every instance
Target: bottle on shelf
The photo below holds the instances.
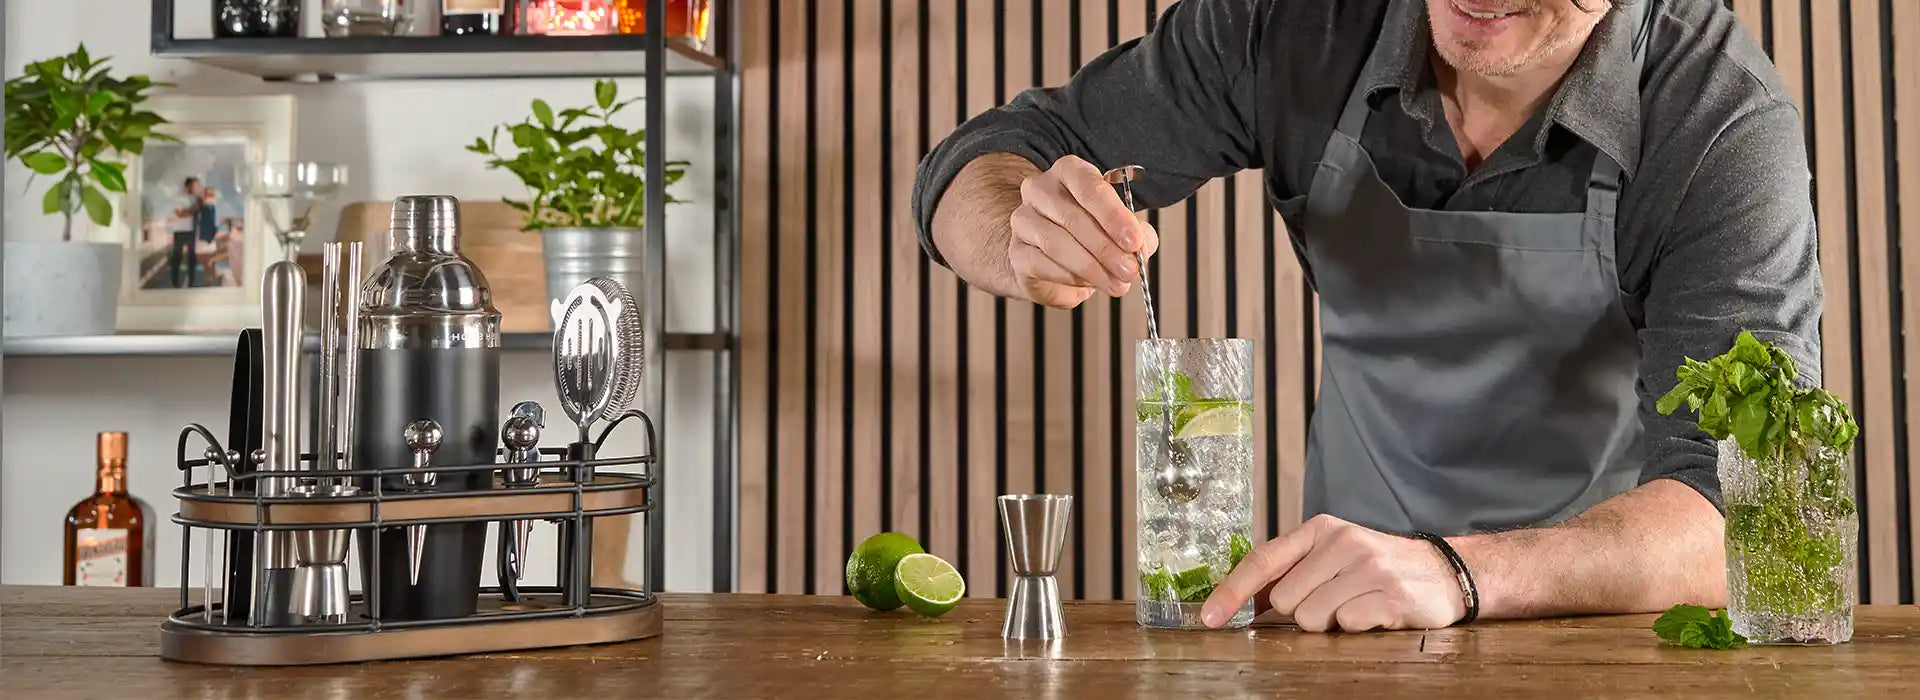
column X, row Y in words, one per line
column 569, row 17
column 256, row 18
column 476, row 17
column 685, row 18
column 108, row 541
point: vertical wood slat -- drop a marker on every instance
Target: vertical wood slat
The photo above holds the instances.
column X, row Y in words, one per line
column 1906, row 88
column 828, row 302
column 869, row 245
column 1876, row 310
column 944, row 379
column 982, row 338
column 1057, row 413
column 908, row 359
column 1099, row 519
column 791, row 512
column 757, row 238
column 1019, row 427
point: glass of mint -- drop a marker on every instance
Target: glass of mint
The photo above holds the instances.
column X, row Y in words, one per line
column 1194, row 415
column 1786, row 477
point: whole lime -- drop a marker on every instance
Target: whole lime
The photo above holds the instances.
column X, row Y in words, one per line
column 870, row 569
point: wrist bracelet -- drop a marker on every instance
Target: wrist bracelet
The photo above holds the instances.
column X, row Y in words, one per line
column 1468, row 593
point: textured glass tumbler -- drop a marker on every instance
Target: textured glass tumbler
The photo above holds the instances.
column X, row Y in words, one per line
column 1194, row 439
column 1792, row 545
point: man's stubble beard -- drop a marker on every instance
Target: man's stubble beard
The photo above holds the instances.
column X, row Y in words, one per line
column 1466, row 57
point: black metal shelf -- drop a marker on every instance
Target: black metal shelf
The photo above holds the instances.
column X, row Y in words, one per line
column 440, row 57
column 222, row 344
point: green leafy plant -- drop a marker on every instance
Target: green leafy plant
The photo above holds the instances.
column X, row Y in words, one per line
column 67, row 116
column 1788, row 526
column 580, row 169
column 1697, row 627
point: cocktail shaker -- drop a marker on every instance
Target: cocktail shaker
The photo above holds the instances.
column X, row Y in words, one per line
column 429, row 351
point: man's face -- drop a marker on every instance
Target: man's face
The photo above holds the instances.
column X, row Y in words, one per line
column 1504, row 37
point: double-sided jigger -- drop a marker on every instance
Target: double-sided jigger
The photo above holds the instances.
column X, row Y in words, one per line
column 1036, row 530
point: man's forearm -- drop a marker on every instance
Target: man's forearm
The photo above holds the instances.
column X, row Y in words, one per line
column 1641, row 551
column 971, row 223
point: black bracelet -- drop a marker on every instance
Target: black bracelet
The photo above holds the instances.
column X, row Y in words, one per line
column 1468, row 593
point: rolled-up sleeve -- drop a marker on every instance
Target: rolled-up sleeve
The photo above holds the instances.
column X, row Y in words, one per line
column 1743, row 256
column 1179, row 101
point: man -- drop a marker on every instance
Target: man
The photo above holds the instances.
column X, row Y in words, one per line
column 183, row 259
column 1519, row 215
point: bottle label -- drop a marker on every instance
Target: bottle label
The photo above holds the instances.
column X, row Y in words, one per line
column 100, row 557
column 456, row 7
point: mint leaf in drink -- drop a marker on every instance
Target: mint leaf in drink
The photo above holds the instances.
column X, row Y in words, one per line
column 1238, row 547
column 1696, row 627
column 1159, row 584
column 1193, row 585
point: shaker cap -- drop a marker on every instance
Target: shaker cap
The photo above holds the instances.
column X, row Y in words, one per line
column 426, row 294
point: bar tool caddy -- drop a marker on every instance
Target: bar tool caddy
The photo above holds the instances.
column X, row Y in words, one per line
column 410, row 465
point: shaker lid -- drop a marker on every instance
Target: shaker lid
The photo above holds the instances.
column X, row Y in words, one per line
column 426, row 294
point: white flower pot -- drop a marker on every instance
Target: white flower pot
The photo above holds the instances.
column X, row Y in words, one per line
column 61, row 289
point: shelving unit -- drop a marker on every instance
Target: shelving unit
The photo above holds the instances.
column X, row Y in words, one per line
column 320, row 59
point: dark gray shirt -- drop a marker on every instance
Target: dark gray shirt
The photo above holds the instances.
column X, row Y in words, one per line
column 1715, row 232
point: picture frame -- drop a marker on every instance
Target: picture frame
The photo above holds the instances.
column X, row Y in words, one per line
column 194, row 260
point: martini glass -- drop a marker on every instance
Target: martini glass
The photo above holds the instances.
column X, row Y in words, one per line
column 288, row 193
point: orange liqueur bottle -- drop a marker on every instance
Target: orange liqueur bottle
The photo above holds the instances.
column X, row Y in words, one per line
column 107, row 536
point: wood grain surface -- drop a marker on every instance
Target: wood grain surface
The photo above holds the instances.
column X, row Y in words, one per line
column 56, row 641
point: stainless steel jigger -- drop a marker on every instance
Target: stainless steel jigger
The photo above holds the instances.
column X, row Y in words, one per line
column 1036, row 530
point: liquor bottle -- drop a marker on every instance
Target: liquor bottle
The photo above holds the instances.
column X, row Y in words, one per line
column 685, row 18
column 256, row 18
column 464, row 17
column 107, row 535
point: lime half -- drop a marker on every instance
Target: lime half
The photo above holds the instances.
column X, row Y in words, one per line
column 928, row 584
column 1219, row 419
column 870, row 569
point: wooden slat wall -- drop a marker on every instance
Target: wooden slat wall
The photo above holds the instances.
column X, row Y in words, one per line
column 879, row 393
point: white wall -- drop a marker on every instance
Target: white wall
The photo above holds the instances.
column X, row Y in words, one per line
column 396, row 138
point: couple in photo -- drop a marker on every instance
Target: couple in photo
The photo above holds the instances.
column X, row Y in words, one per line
column 195, row 221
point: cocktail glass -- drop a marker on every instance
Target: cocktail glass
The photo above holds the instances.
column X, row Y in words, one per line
column 1195, row 415
column 287, row 194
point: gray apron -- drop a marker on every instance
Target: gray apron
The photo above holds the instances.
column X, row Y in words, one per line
column 1479, row 368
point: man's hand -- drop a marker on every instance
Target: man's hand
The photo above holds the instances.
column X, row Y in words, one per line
column 1072, row 236
column 1331, row 573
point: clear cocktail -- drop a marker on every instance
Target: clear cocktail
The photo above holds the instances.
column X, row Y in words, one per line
column 1195, row 443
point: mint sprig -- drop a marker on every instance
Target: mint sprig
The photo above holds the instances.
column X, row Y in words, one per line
column 1696, row 627
column 1749, row 394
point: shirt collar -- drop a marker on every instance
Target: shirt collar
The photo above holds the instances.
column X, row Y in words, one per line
column 1599, row 100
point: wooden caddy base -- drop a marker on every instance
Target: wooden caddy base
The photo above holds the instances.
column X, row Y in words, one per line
column 239, row 647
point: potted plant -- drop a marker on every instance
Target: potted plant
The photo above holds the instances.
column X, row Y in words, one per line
column 69, row 119
column 586, row 188
column 1787, row 482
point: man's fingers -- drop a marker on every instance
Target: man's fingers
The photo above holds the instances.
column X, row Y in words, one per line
column 1101, row 200
column 1034, row 229
column 1263, row 565
column 1372, row 610
column 1317, row 612
column 1051, row 199
column 1030, row 263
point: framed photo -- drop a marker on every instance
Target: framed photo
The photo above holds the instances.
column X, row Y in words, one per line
column 196, row 245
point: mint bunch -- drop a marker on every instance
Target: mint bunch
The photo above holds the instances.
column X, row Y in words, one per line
column 1696, row 627
column 1749, row 394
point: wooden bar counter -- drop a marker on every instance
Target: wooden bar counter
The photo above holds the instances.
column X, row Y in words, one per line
column 101, row 643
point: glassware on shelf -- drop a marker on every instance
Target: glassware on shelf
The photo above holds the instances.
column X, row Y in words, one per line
column 687, row 19
column 1194, row 418
column 287, row 194
column 569, row 17
column 476, row 17
column 343, row 18
column 256, row 18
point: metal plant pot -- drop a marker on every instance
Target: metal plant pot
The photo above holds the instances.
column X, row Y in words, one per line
column 575, row 255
